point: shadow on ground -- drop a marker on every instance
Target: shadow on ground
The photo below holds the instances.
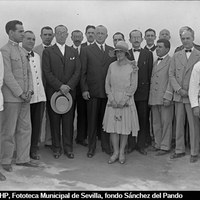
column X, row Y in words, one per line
column 81, row 173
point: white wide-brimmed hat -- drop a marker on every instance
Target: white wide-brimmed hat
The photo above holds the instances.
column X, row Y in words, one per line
column 61, row 103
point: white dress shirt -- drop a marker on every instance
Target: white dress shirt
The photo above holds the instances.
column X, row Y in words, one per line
column 99, row 45
column 136, row 54
column 38, row 88
column 61, row 47
column 194, row 85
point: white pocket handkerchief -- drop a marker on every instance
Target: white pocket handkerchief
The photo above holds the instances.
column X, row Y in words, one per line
column 72, row 58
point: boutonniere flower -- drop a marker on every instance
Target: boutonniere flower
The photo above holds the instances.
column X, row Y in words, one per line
column 134, row 66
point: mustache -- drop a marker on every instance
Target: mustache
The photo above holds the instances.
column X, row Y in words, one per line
column 77, row 41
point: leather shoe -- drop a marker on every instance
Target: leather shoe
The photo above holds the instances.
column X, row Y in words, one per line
column 193, row 159
column 2, row 177
column 142, row 151
column 162, row 152
column 70, row 155
column 27, row 164
column 7, row 167
column 56, row 154
column 90, row 154
column 83, row 143
column 34, row 156
column 177, row 155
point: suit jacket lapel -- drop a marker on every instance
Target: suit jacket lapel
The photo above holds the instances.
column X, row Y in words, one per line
column 194, row 56
column 97, row 51
column 58, row 52
column 161, row 65
column 182, row 57
column 131, row 55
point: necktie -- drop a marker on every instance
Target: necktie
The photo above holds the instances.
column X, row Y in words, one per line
column 102, row 49
column 188, row 50
column 159, row 59
column 31, row 53
column 136, row 50
column 45, row 47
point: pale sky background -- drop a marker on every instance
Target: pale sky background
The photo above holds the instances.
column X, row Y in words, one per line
column 122, row 16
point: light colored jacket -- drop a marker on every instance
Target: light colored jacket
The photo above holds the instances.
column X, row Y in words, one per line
column 1, row 81
column 194, row 86
column 17, row 72
column 38, row 88
column 160, row 87
column 180, row 72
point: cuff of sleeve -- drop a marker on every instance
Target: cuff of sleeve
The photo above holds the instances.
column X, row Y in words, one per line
column 168, row 95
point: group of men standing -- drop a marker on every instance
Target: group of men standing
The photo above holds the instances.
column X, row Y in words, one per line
column 33, row 74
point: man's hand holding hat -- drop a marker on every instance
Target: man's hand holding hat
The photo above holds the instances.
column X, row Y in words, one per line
column 64, row 89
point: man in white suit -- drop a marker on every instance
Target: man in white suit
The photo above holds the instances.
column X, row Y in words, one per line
column 47, row 36
column 160, row 97
column 38, row 98
column 181, row 67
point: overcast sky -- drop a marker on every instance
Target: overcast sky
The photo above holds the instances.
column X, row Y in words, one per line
column 122, row 16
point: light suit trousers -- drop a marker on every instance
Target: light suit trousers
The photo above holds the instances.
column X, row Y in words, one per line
column 181, row 109
column 162, row 126
column 15, row 132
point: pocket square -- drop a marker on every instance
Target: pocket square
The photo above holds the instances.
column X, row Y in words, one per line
column 72, row 58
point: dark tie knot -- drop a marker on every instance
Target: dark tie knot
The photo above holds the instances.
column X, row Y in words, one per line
column 45, row 47
column 159, row 59
column 188, row 50
column 136, row 50
column 31, row 53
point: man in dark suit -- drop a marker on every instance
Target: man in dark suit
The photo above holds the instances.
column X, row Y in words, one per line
column 61, row 66
column 80, row 102
column 95, row 61
column 144, row 59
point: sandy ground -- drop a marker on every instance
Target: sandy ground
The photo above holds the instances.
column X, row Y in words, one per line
column 81, row 173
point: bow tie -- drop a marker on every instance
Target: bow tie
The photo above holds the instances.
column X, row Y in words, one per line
column 159, row 59
column 136, row 50
column 31, row 54
column 188, row 50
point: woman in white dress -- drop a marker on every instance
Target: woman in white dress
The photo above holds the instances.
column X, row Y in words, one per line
column 120, row 118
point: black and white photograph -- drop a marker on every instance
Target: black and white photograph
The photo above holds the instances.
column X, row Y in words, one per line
column 99, row 96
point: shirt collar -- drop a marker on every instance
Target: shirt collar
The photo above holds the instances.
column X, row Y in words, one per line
column 46, row 45
column 99, row 45
column 60, row 46
column 13, row 43
column 188, row 49
column 90, row 43
column 164, row 56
